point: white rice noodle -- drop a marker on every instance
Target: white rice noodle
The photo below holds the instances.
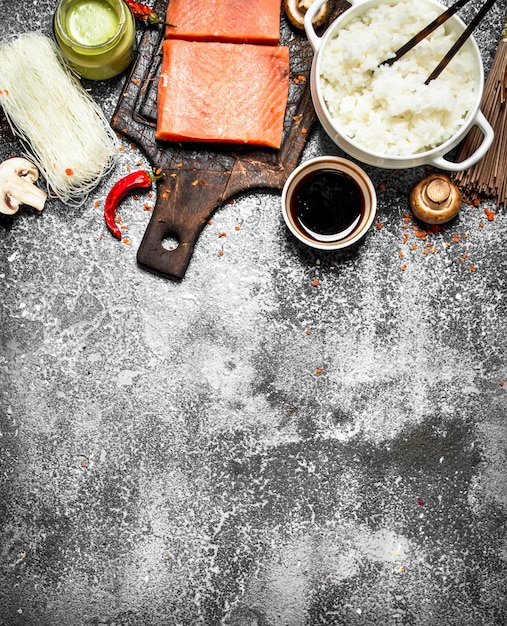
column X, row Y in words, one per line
column 64, row 130
column 389, row 110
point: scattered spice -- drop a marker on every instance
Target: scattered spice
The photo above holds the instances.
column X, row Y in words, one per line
column 490, row 214
column 318, row 370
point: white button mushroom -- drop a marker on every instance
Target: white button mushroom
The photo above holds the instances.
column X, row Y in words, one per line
column 17, row 178
column 296, row 9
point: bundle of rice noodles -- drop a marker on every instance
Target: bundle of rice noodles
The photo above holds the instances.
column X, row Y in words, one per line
column 63, row 130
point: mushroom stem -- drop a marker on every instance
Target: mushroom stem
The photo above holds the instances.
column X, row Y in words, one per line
column 17, row 186
column 435, row 199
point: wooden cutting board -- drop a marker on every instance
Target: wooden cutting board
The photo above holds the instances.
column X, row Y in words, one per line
column 199, row 178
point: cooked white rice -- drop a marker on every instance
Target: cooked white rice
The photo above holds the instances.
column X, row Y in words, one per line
column 389, row 110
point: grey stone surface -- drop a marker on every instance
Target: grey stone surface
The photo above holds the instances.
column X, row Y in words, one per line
column 249, row 447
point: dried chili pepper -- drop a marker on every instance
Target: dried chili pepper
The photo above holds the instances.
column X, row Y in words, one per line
column 135, row 180
column 144, row 12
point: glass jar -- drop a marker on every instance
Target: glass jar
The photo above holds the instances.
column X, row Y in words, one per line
column 97, row 37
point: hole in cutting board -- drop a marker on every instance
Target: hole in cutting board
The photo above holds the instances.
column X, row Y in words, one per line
column 170, row 243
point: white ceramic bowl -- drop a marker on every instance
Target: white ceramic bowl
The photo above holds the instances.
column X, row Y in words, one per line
column 436, row 156
column 364, row 185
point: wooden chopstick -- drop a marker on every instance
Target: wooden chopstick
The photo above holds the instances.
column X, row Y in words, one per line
column 443, row 17
column 460, row 41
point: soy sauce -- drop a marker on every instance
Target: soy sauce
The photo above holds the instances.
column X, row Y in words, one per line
column 327, row 205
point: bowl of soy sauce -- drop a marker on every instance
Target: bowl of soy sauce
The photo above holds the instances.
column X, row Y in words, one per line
column 329, row 202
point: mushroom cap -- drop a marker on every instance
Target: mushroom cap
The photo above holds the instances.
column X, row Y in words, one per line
column 296, row 9
column 435, row 199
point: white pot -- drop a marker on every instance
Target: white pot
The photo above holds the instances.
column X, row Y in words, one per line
column 435, row 156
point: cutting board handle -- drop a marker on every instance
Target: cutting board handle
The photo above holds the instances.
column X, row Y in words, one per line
column 184, row 204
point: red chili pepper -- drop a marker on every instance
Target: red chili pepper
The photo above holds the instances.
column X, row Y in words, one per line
column 136, row 180
column 144, row 12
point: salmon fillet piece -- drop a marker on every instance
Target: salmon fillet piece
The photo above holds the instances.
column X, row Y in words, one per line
column 240, row 21
column 222, row 92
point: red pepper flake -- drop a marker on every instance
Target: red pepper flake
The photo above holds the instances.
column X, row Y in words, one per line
column 237, row 228
column 404, row 267
column 476, row 202
column 146, row 207
column 400, row 254
column 69, row 171
column 481, row 225
column 382, row 187
column 96, row 204
column 121, row 148
column 420, row 502
column 405, row 237
column 318, row 370
column 221, row 253
column 380, row 225
column 315, row 282
column 308, row 332
column 223, row 234
column 196, row 182
column 210, row 222
column 501, row 383
column 126, row 242
column 303, row 131
column 421, row 234
column 135, row 197
column 136, row 81
column 472, row 268
column 490, row 214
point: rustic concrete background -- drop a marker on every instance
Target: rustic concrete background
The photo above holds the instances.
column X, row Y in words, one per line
column 169, row 453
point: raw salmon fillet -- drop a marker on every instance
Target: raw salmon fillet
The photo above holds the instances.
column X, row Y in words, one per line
column 240, row 21
column 222, row 92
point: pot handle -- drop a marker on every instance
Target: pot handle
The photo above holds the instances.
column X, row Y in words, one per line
column 313, row 38
column 487, row 140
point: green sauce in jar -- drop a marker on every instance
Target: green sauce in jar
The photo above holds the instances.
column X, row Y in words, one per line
column 97, row 37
